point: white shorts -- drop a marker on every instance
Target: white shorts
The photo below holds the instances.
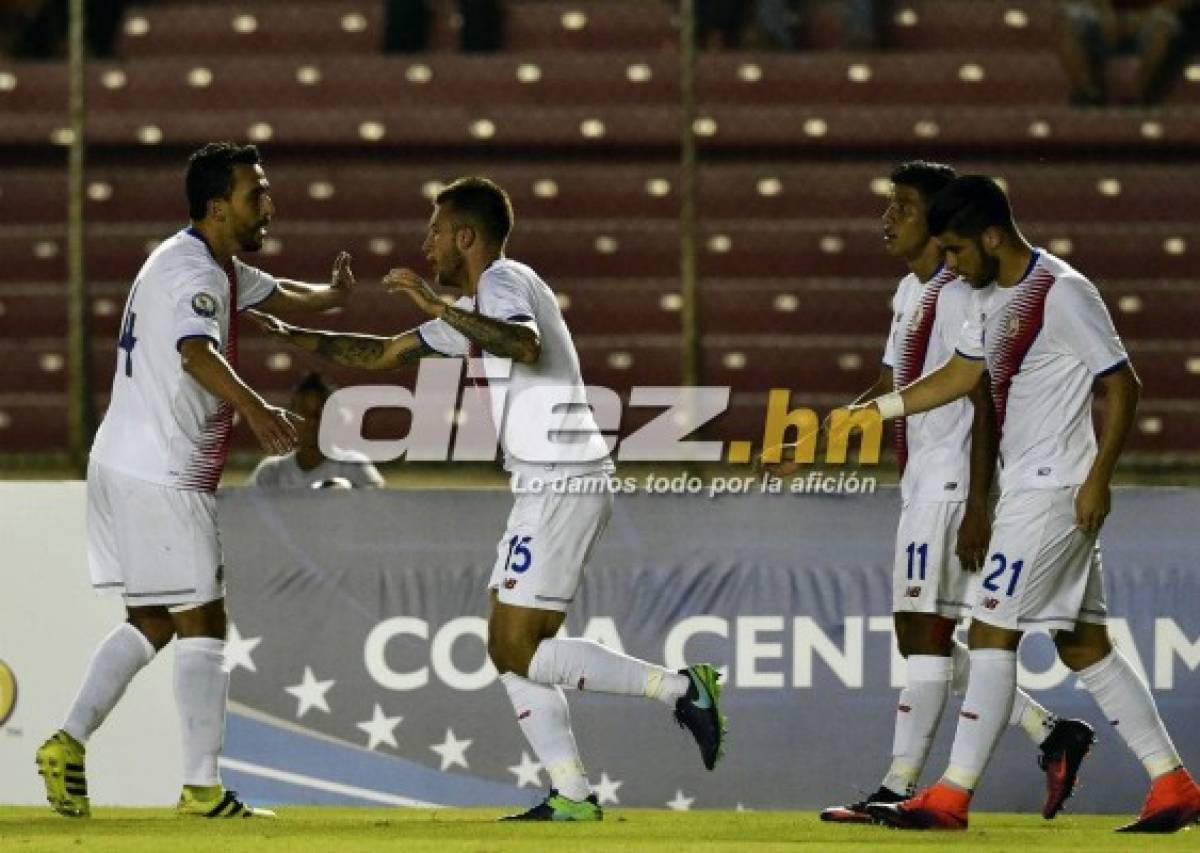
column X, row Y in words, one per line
column 550, row 536
column 153, row 544
column 1042, row 572
column 927, row 576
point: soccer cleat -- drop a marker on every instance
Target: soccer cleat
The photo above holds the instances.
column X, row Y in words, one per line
column 556, row 807
column 857, row 812
column 221, row 804
column 1172, row 804
column 937, row 807
column 699, row 711
column 60, row 762
column 1063, row 751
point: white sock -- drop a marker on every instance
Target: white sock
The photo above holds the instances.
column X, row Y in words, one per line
column 1129, row 707
column 985, row 712
column 587, row 665
column 115, row 662
column 1035, row 720
column 917, row 716
column 201, row 689
column 545, row 720
column 961, row 656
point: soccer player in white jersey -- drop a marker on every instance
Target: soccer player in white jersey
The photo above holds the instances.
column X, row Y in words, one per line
column 946, row 460
column 1041, row 332
column 307, row 467
column 510, row 317
column 157, row 458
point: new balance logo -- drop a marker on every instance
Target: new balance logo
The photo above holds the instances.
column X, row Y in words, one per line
column 991, row 603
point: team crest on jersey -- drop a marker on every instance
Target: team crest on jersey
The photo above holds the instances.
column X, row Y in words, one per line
column 204, row 305
column 1012, row 325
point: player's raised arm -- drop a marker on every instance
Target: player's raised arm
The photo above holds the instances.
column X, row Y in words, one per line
column 293, row 297
column 272, row 426
column 956, row 378
column 507, row 339
column 370, row 352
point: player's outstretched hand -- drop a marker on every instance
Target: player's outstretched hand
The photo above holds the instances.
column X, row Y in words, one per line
column 783, row 468
column 342, row 280
column 275, row 428
column 973, row 536
column 403, row 280
column 1092, row 504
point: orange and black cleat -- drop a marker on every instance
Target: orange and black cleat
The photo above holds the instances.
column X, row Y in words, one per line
column 937, row 807
column 1172, row 804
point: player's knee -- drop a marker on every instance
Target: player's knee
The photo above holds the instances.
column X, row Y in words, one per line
column 509, row 656
column 928, row 635
column 1078, row 652
column 157, row 629
column 205, row 620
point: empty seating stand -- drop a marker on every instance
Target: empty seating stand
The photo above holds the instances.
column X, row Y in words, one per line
column 578, row 118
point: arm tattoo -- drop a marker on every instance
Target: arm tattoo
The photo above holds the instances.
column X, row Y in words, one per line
column 412, row 356
column 372, row 352
column 507, row 340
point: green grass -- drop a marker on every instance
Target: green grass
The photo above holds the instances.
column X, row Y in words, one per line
column 337, row 830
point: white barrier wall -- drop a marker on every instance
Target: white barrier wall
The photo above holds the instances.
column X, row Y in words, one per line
column 50, row 621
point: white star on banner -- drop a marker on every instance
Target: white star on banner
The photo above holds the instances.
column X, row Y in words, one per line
column 453, row 751
column 681, row 803
column 606, row 790
column 527, row 772
column 311, row 693
column 238, row 649
column 380, row 728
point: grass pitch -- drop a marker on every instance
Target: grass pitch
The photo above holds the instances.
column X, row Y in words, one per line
column 341, row 830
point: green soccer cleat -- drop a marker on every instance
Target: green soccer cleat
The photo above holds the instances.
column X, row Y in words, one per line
column 558, row 808
column 699, row 711
column 60, row 762
column 216, row 802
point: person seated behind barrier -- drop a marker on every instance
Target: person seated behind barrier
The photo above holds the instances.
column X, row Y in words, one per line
column 1090, row 31
column 777, row 20
column 407, row 22
column 306, row 466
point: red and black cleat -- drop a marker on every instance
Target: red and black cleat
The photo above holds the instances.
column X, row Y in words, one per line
column 1063, row 751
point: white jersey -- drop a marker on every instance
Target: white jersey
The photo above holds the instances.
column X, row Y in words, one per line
column 162, row 426
column 284, row 472
column 540, row 441
column 933, row 447
column 1046, row 340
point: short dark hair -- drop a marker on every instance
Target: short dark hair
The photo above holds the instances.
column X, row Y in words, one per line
column 926, row 178
column 482, row 200
column 314, row 383
column 970, row 205
column 210, row 173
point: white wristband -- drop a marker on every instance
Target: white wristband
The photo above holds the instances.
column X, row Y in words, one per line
column 890, row 405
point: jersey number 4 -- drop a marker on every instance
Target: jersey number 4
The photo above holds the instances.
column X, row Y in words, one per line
column 127, row 341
